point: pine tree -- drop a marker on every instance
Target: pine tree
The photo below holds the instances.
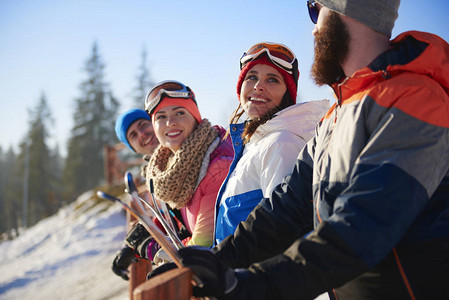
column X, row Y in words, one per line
column 144, row 83
column 3, row 181
column 35, row 156
column 10, row 185
column 93, row 128
column 56, row 185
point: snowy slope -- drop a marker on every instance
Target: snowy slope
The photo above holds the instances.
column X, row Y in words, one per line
column 66, row 256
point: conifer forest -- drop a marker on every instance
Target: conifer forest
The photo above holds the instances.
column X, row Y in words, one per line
column 36, row 180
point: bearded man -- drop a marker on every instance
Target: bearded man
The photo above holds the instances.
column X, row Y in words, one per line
column 365, row 212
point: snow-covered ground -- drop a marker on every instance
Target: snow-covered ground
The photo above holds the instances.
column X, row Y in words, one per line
column 66, row 256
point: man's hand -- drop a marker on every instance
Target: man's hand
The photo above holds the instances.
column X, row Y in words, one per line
column 218, row 279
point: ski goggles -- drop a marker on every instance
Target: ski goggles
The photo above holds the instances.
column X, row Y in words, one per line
column 313, row 11
column 168, row 88
column 279, row 54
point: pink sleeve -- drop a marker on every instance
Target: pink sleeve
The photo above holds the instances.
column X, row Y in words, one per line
column 202, row 206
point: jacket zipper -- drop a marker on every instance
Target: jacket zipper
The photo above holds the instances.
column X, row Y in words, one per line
column 337, row 107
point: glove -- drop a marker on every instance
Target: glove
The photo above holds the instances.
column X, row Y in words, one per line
column 140, row 240
column 161, row 269
column 125, row 257
column 218, row 279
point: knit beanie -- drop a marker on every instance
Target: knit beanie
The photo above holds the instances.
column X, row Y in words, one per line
column 125, row 120
column 292, row 84
column 378, row 15
column 188, row 104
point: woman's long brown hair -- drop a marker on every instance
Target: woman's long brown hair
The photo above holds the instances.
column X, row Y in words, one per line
column 252, row 125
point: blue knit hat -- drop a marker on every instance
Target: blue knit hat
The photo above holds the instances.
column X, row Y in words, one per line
column 125, row 120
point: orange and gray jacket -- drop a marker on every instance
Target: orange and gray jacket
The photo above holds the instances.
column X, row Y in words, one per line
column 365, row 212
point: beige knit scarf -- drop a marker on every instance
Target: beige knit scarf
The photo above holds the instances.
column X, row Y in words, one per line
column 175, row 175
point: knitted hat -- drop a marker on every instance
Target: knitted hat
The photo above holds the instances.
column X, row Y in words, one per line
column 292, row 84
column 125, row 120
column 188, row 104
column 378, row 15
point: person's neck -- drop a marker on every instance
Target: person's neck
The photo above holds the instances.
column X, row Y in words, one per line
column 364, row 47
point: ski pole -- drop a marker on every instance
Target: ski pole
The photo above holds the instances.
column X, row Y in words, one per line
column 164, row 205
column 132, row 190
column 167, row 215
column 155, row 232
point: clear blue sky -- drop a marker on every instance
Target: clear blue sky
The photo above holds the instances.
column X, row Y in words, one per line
column 45, row 43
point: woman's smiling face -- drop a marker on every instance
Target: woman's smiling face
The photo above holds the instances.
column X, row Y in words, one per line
column 172, row 125
column 262, row 90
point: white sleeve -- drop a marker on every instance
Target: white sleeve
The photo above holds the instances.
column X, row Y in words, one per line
column 278, row 159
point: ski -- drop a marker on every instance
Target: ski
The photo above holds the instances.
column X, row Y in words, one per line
column 132, row 190
column 155, row 232
column 163, row 205
column 149, row 225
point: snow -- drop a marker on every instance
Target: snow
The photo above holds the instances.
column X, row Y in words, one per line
column 67, row 256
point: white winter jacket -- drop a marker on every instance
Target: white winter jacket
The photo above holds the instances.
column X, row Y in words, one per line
column 260, row 165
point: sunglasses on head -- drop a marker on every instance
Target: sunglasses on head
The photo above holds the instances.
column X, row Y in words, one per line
column 313, row 11
column 168, row 88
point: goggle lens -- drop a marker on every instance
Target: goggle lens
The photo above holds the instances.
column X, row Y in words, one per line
column 168, row 86
column 276, row 50
column 171, row 89
column 277, row 53
column 313, row 11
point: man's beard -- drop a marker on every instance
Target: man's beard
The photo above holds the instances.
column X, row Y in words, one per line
column 331, row 49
